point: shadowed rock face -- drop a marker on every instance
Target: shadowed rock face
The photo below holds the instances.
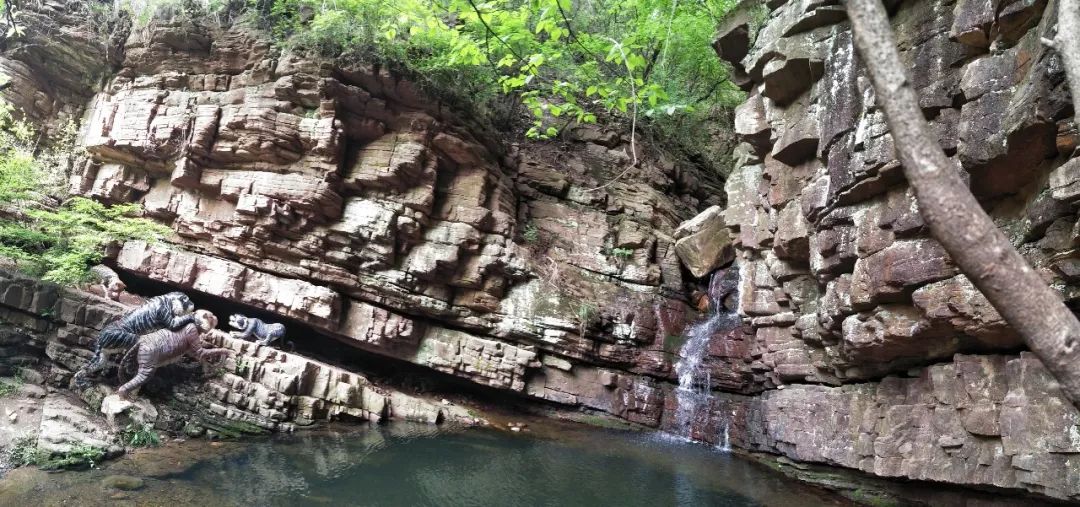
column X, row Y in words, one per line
column 51, row 331
column 888, row 357
column 342, row 198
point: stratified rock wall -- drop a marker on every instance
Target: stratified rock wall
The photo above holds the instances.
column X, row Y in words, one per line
column 342, row 201
column 43, row 325
column 884, row 358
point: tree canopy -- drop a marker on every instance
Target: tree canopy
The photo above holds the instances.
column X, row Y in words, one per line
column 564, row 61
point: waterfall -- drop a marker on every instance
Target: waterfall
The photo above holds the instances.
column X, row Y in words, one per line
column 724, row 442
column 694, row 394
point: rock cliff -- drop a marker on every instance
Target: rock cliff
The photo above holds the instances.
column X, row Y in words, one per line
column 879, row 355
column 340, row 199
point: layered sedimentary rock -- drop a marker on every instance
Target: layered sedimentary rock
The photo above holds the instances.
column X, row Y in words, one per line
column 986, row 420
column 342, row 201
column 48, row 333
column 879, row 354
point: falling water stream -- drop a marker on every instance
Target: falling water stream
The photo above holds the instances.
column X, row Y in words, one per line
column 694, row 394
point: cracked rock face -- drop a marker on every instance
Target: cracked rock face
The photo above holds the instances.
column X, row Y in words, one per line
column 887, row 355
column 342, row 200
column 346, row 203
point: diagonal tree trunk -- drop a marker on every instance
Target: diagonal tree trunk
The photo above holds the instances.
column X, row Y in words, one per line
column 956, row 219
column 1067, row 43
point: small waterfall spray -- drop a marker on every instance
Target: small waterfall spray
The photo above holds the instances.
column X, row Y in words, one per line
column 694, row 394
column 725, row 439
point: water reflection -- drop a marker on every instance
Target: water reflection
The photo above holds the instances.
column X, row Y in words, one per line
column 402, row 464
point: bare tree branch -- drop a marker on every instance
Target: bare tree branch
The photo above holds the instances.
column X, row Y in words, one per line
column 9, row 14
column 956, row 219
column 480, row 16
column 633, row 121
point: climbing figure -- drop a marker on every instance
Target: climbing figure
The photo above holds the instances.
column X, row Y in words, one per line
column 170, row 311
column 111, row 285
column 166, row 346
column 252, row 329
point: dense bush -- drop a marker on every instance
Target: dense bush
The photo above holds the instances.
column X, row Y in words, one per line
column 563, row 61
column 45, row 234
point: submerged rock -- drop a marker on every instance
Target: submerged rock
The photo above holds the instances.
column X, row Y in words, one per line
column 123, row 482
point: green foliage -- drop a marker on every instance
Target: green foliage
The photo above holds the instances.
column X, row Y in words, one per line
column 9, row 387
column 81, row 455
column 586, row 311
column 25, row 452
column 142, row 12
column 531, row 234
column 621, row 253
column 58, row 243
column 140, row 435
column 759, row 14
column 18, row 171
column 563, row 61
column 61, row 244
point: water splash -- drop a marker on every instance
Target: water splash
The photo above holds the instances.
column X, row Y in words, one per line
column 694, row 394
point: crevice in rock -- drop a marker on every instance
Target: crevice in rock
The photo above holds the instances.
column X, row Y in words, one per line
column 322, row 346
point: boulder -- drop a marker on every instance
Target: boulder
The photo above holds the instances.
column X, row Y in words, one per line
column 120, row 412
column 704, row 242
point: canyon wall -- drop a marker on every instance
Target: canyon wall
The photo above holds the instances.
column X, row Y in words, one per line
column 882, row 356
column 340, row 199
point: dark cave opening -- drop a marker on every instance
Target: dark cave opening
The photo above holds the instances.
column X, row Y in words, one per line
column 323, row 346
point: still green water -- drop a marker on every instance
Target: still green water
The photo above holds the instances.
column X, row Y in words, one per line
column 407, row 465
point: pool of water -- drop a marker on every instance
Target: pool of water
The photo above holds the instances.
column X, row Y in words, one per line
column 407, row 465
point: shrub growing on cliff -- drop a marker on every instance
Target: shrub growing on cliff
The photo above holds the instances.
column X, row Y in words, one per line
column 10, row 386
column 531, row 234
column 57, row 241
column 563, row 61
